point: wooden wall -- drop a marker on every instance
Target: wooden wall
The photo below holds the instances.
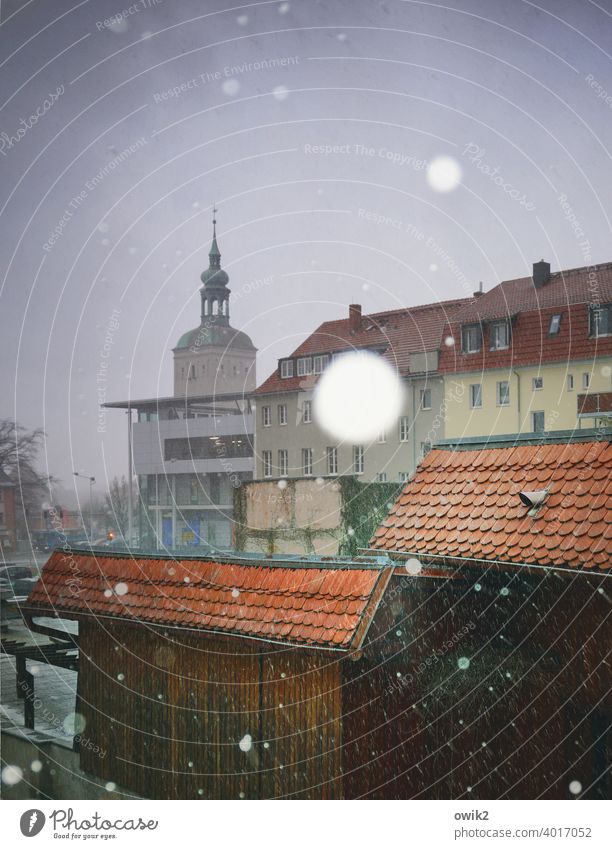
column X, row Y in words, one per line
column 531, row 713
column 172, row 725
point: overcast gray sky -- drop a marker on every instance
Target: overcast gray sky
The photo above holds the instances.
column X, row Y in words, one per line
column 308, row 123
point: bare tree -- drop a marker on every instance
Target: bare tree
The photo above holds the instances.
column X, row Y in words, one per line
column 19, row 450
column 116, row 504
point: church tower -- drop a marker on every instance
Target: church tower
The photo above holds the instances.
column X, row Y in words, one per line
column 214, row 358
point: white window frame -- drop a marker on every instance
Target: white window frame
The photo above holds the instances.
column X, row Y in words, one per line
column 304, row 366
column 570, row 383
column 381, row 477
column 537, row 383
column 266, row 459
column 586, row 379
column 331, row 453
column 381, row 438
column 282, row 415
column 502, row 402
column 266, row 416
column 306, row 412
column 473, row 388
column 286, row 369
column 307, row 462
column 404, row 428
column 319, row 363
column 466, row 331
column 424, row 394
column 495, row 326
column 358, row 459
column 283, row 462
column 403, row 477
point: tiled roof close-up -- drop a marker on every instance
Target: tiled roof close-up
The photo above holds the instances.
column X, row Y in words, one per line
column 466, row 504
column 320, row 607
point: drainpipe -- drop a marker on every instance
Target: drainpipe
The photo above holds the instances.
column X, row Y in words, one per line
column 518, row 399
column 414, row 463
column 130, row 478
column 174, row 514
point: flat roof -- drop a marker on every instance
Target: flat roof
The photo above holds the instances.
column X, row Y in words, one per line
column 507, row 439
column 177, row 401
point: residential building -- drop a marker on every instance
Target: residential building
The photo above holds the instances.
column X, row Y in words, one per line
column 190, row 450
column 519, row 358
column 289, row 441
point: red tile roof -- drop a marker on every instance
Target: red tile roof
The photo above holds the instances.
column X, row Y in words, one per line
column 590, row 284
column 397, row 333
column 465, row 504
column 566, row 293
column 319, row 607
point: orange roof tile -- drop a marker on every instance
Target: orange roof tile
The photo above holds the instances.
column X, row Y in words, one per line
column 320, row 607
column 572, row 528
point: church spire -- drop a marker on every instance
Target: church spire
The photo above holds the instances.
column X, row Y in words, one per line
column 214, row 254
column 214, row 293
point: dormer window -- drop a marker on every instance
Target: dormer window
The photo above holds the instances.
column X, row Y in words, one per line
column 319, row 363
column 600, row 320
column 286, row 368
column 304, row 366
column 471, row 338
column 500, row 335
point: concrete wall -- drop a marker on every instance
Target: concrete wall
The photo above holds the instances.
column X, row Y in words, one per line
column 392, row 457
column 217, row 370
column 323, row 516
column 555, row 399
column 148, row 444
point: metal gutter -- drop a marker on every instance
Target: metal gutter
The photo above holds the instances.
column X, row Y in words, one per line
column 469, row 561
column 125, row 620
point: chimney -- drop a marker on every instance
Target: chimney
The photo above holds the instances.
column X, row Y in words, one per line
column 541, row 273
column 480, row 290
column 354, row 317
